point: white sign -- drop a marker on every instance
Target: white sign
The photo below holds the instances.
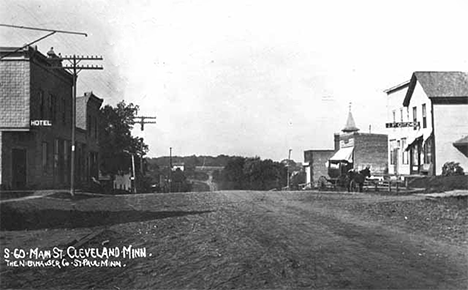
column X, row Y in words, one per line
column 401, row 124
column 348, row 143
column 41, row 123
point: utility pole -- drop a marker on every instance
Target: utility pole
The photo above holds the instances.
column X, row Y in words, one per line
column 134, row 190
column 74, row 68
column 289, row 158
column 142, row 121
column 133, row 177
column 170, row 169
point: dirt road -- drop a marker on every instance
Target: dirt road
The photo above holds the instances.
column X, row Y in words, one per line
column 249, row 240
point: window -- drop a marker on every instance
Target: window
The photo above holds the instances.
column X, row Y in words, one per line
column 41, row 105
column 407, row 114
column 66, row 152
column 427, row 150
column 424, row 116
column 89, row 125
column 404, row 153
column 45, row 155
column 415, row 116
column 53, row 108
column 392, row 148
column 415, row 155
column 56, row 153
column 401, row 115
column 394, row 118
column 95, row 127
column 64, row 106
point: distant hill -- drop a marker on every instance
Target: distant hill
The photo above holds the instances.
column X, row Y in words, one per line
column 198, row 161
column 192, row 161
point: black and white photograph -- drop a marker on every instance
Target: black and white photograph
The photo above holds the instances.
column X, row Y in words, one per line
column 221, row 144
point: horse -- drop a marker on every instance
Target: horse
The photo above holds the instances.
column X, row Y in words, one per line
column 356, row 179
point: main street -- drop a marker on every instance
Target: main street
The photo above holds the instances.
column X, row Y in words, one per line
column 242, row 239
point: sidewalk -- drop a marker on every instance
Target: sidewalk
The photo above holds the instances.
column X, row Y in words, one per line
column 456, row 192
column 32, row 194
column 17, row 195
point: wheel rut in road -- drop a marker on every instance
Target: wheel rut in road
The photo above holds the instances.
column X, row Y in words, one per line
column 341, row 250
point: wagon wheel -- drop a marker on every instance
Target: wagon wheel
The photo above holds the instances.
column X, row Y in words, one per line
column 342, row 181
column 322, row 183
column 354, row 186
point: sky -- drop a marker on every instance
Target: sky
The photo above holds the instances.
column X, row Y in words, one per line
column 247, row 78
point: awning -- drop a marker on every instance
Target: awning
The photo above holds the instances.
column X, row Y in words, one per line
column 462, row 145
column 461, row 142
column 426, row 135
column 413, row 140
column 344, row 154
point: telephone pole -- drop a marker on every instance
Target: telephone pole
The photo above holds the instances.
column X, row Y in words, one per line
column 170, row 167
column 289, row 158
column 142, row 121
column 74, row 68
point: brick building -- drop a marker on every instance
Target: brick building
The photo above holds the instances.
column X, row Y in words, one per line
column 87, row 135
column 36, row 120
column 351, row 148
column 362, row 150
column 315, row 164
column 427, row 121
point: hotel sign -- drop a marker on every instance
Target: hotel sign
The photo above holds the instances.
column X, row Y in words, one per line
column 41, row 123
column 401, row 124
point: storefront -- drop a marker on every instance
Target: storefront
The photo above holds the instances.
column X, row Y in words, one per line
column 426, row 117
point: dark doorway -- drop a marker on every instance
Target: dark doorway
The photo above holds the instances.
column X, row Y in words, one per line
column 415, row 160
column 18, row 162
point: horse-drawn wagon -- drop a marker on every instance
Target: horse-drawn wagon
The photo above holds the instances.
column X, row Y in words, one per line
column 342, row 174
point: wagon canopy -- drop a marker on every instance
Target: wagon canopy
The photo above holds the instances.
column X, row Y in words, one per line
column 344, row 154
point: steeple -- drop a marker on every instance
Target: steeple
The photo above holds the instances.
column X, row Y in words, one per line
column 350, row 125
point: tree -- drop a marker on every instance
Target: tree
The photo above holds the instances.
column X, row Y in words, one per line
column 116, row 141
column 252, row 173
column 452, row 168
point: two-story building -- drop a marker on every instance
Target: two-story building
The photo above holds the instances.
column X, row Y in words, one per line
column 87, row 138
column 36, row 120
column 427, row 121
column 356, row 149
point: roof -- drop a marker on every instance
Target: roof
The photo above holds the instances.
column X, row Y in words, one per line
column 350, row 125
column 440, row 87
column 81, row 108
column 461, row 142
column 90, row 96
column 32, row 54
column 397, row 87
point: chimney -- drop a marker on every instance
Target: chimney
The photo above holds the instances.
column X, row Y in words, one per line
column 336, row 140
column 51, row 53
column 54, row 59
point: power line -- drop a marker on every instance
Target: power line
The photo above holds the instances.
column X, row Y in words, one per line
column 142, row 121
column 52, row 32
column 43, row 29
column 102, row 80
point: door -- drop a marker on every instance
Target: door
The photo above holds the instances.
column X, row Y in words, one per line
column 19, row 168
column 415, row 160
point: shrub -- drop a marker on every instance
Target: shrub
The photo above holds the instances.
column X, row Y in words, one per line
column 452, row 168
